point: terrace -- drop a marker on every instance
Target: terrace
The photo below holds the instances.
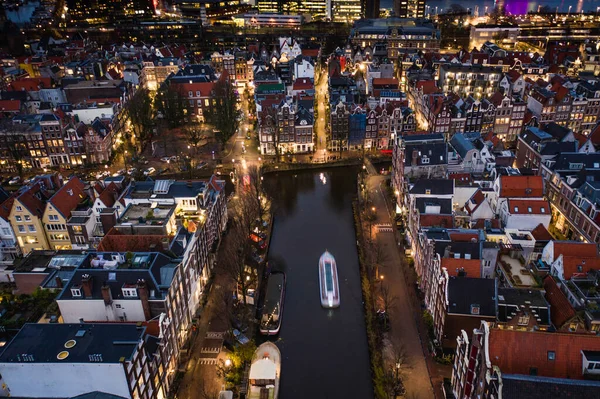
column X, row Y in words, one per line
column 511, row 264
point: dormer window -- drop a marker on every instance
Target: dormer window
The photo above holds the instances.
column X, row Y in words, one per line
column 76, row 292
column 475, row 309
column 516, row 209
column 129, row 292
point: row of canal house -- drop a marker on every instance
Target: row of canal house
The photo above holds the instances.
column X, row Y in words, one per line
column 481, row 245
column 144, row 282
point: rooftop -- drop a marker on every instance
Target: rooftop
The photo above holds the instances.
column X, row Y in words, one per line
column 75, row 343
column 147, row 214
column 472, row 296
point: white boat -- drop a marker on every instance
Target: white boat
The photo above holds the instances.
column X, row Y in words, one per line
column 265, row 372
column 328, row 281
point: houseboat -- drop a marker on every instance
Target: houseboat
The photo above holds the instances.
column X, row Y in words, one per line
column 265, row 372
column 328, row 281
column 270, row 322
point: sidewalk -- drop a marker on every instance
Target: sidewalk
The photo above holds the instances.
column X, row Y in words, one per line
column 198, row 372
column 405, row 316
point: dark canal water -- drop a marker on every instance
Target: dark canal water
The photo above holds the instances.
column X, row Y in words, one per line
column 324, row 352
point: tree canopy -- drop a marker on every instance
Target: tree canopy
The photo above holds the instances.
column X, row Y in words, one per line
column 223, row 113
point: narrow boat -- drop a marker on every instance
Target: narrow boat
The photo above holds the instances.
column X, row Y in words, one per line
column 265, row 372
column 328, row 281
column 270, row 322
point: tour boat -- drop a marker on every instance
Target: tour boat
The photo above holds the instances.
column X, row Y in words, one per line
column 328, row 281
column 270, row 322
column 265, row 372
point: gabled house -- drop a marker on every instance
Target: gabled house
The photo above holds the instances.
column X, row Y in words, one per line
column 58, row 212
column 568, row 259
column 9, row 249
column 515, row 187
column 469, row 154
column 478, row 207
column 563, row 315
column 525, row 214
column 499, row 362
column 26, row 217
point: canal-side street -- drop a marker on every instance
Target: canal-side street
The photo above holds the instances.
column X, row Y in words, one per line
column 326, row 347
column 406, row 326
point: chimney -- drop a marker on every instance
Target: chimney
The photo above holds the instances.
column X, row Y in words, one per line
column 143, row 293
column 415, row 155
column 106, row 294
column 59, row 283
column 108, row 220
column 87, row 284
column 165, row 243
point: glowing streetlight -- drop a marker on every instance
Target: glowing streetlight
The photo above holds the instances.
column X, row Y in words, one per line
column 227, row 362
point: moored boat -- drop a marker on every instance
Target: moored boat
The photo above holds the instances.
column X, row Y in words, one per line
column 265, row 372
column 270, row 322
column 328, row 281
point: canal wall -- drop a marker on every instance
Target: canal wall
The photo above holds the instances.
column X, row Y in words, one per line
column 291, row 167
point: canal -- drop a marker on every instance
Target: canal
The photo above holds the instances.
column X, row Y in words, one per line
column 325, row 353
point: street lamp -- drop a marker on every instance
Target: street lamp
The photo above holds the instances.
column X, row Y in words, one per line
column 373, row 209
column 227, row 362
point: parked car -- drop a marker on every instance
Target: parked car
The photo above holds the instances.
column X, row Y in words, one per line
column 149, row 171
column 254, row 237
column 239, row 337
column 14, row 180
column 131, row 171
column 256, row 257
column 165, row 159
column 201, row 165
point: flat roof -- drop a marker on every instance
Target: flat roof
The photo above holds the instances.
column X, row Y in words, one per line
column 93, row 343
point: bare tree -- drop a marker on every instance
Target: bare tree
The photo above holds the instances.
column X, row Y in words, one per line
column 140, row 112
column 193, row 136
column 239, row 247
column 376, row 256
column 223, row 114
column 255, row 189
column 387, row 300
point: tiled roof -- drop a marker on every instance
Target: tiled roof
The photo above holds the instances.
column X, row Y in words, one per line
column 10, row 105
column 436, row 221
column 473, row 203
column 521, row 186
column 519, row 352
column 109, row 195
column 428, row 86
column 119, row 242
column 540, row 233
column 385, row 82
column 578, row 257
column 31, row 84
column 561, row 310
column 470, row 267
column 529, row 207
column 5, row 208
column 30, row 199
column 67, row 198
